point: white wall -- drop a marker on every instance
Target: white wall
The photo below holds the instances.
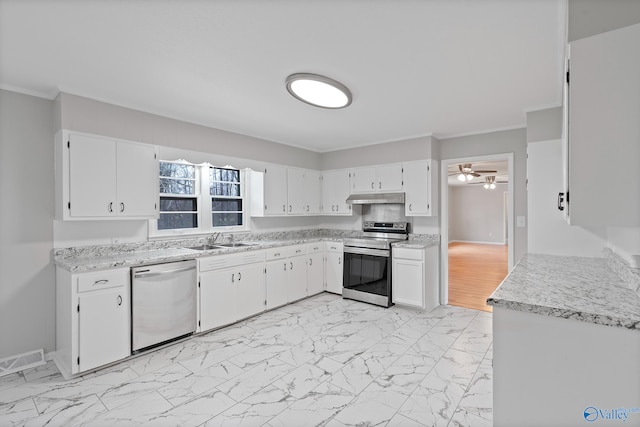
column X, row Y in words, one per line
column 476, row 214
column 549, row 233
column 27, row 277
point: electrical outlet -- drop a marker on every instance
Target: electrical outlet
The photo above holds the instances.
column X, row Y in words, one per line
column 521, row 221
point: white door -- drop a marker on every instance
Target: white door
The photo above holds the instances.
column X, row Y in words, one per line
column 275, row 190
column 408, row 282
column 363, row 180
column 249, row 283
column 312, row 192
column 296, row 278
column 334, row 272
column 104, row 333
column 137, row 178
column 416, row 188
column 335, row 190
column 389, row 178
column 92, row 176
column 276, row 283
column 217, row 299
column 315, row 273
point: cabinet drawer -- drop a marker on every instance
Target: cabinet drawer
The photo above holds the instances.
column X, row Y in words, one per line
column 102, row 279
column 313, row 248
column 405, row 253
column 224, row 261
column 276, row 253
column 335, row 246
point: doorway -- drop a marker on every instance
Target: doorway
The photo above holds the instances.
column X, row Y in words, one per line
column 477, row 228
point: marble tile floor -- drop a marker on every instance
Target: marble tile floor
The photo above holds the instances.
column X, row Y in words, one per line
column 322, row 361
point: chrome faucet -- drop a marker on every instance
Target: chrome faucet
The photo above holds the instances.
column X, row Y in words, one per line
column 214, row 238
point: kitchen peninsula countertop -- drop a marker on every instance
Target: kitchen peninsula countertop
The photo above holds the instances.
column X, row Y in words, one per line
column 580, row 288
column 82, row 259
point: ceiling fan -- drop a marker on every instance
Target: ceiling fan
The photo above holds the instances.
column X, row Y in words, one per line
column 466, row 173
column 489, row 182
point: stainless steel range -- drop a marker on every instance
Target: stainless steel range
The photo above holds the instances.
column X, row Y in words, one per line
column 367, row 262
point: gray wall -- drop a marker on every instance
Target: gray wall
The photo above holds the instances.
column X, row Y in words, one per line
column 509, row 141
column 590, row 17
column 544, row 125
column 477, row 214
column 27, row 277
column 390, row 152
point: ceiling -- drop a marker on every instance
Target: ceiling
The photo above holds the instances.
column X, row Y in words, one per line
column 501, row 166
column 415, row 68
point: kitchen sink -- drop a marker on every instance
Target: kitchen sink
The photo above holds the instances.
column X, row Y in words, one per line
column 203, row 247
column 234, row 245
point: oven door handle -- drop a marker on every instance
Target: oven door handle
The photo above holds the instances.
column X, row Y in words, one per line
column 366, row 251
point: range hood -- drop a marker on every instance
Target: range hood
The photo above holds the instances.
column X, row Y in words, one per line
column 375, row 198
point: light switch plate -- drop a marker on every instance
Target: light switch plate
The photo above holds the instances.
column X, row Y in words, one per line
column 521, row 221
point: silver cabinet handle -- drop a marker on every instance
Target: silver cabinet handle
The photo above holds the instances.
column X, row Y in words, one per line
column 310, row 261
column 307, row 208
column 410, row 208
column 339, row 260
column 333, row 208
column 239, row 276
column 380, row 184
column 289, row 208
column 290, row 266
column 284, row 208
column 372, row 187
column 100, row 282
column 233, row 277
column 119, row 299
column 285, row 266
column 276, row 254
column 111, row 207
column 121, row 207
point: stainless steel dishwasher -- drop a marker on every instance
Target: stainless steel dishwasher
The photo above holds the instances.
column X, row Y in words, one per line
column 163, row 303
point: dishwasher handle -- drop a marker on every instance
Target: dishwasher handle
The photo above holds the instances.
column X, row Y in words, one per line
column 150, row 273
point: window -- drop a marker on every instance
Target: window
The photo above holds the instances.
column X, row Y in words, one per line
column 226, row 197
column 178, row 196
column 198, row 199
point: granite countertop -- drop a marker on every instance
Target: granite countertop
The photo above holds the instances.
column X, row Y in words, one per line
column 584, row 289
column 415, row 244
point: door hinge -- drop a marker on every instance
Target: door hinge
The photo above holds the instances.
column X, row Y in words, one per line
column 69, row 205
column 567, row 76
column 265, row 271
column 199, row 323
column 78, row 361
column 155, row 156
column 265, row 303
column 428, row 168
column 68, row 144
column 78, row 308
column 265, row 170
column 198, row 283
column 567, row 197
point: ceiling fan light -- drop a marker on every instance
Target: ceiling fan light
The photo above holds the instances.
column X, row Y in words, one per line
column 486, row 186
column 462, row 178
column 469, row 177
column 318, row 90
column 492, row 186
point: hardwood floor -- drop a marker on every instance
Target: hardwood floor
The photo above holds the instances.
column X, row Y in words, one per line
column 475, row 271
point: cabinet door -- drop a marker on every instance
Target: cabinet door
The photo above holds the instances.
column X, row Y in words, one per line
column 104, row 334
column 296, row 278
column 334, row 272
column 315, row 273
column 335, row 190
column 137, row 179
column 389, row 178
column 249, row 283
column 276, row 283
column 217, row 299
column 275, row 190
column 92, row 176
column 604, row 135
column 408, row 282
column 312, row 192
column 297, row 200
column 363, row 180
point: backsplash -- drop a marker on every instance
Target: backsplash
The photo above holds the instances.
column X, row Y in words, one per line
column 631, row 276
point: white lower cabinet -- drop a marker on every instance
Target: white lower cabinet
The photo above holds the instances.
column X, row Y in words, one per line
column 334, row 266
column 415, row 277
column 230, row 288
column 297, row 274
column 315, row 269
column 93, row 318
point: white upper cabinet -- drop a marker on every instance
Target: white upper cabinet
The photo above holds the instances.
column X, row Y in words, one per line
column 275, row 190
column 421, row 188
column 603, row 133
column 335, row 190
column 313, row 192
column 384, row 178
column 303, row 191
column 104, row 178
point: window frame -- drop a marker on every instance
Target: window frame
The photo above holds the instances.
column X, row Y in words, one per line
column 204, row 204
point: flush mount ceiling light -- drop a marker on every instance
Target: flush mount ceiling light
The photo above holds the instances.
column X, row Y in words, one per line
column 319, row 91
